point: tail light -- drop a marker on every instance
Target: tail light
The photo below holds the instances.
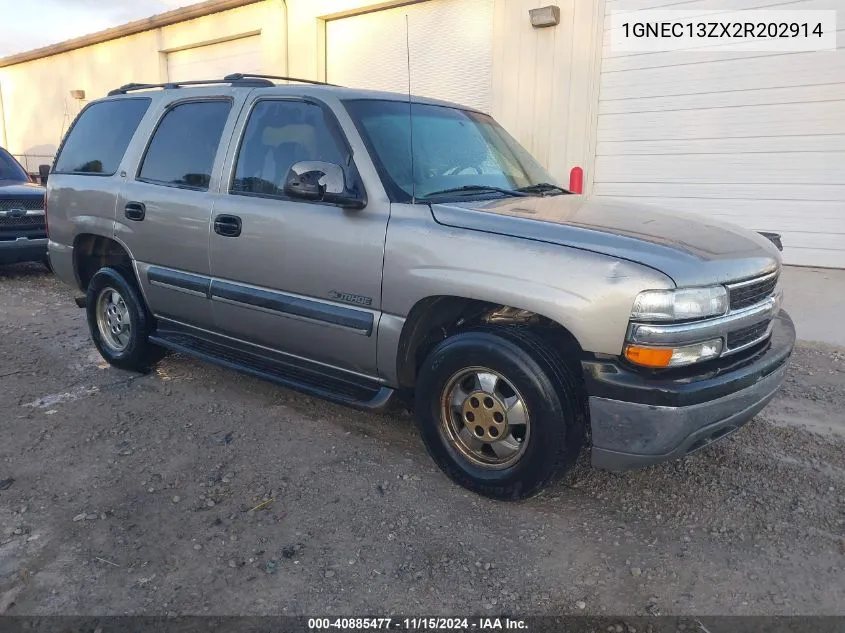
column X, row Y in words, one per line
column 46, row 223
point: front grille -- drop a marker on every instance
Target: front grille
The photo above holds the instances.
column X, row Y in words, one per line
column 748, row 293
column 27, row 204
column 24, row 222
column 747, row 335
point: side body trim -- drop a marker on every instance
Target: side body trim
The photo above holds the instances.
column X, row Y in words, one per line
column 360, row 321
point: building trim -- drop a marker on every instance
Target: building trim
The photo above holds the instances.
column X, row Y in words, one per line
column 211, row 42
column 368, row 8
column 182, row 14
column 3, row 139
column 592, row 127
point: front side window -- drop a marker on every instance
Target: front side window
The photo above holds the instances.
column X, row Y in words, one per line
column 182, row 150
column 452, row 148
column 98, row 139
column 10, row 169
column 278, row 134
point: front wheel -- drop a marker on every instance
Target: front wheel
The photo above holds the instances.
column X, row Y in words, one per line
column 500, row 411
column 119, row 321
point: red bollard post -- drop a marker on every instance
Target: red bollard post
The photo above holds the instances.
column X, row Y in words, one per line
column 576, row 180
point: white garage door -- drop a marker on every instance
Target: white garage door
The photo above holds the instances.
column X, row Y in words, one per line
column 215, row 61
column 451, row 43
column 753, row 138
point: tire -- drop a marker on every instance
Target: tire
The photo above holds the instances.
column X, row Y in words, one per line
column 130, row 349
column 546, row 446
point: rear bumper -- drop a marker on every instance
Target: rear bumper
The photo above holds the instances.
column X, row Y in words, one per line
column 638, row 420
column 22, row 250
column 61, row 259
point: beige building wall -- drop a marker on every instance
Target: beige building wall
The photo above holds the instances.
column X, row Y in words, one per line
column 38, row 107
column 545, row 81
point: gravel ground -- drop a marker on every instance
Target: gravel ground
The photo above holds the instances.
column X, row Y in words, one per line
column 197, row 490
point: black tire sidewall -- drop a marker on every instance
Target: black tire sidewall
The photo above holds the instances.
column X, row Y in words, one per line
column 547, row 440
column 136, row 354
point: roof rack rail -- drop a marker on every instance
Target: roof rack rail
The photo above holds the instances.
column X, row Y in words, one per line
column 246, row 80
column 242, row 76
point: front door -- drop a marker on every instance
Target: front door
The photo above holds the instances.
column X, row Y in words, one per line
column 164, row 208
column 300, row 277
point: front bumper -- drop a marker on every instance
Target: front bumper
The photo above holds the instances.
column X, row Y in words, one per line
column 639, row 419
column 23, row 250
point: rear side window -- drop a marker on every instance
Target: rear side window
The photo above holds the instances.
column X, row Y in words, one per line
column 98, row 140
column 182, row 150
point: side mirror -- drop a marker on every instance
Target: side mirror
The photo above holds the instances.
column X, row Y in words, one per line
column 43, row 173
column 323, row 182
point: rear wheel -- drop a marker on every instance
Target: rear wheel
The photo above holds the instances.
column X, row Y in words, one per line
column 500, row 411
column 119, row 321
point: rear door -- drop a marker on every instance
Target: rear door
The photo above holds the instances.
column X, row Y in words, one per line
column 165, row 205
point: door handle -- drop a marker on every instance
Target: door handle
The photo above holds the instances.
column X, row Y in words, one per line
column 227, row 225
column 135, row 211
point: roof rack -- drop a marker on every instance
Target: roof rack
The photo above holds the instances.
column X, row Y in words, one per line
column 242, row 76
column 237, row 81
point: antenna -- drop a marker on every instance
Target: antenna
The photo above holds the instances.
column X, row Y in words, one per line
column 410, row 112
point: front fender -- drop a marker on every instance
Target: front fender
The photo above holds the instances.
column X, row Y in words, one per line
column 587, row 293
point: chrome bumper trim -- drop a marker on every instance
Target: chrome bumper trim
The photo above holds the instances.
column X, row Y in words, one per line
column 755, row 280
column 698, row 331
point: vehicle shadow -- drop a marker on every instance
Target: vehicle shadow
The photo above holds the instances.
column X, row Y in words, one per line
column 25, row 270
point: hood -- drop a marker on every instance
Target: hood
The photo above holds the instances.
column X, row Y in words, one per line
column 689, row 248
column 19, row 189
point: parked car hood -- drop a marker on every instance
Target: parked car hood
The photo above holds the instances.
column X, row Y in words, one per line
column 18, row 189
column 690, row 249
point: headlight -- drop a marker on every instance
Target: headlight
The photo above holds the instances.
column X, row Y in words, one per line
column 681, row 304
column 673, row 356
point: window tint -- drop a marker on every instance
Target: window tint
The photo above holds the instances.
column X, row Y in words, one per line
column 10, row 169
column 279, row 134
column 184, row 144
column 99, row 138
column 451, row 148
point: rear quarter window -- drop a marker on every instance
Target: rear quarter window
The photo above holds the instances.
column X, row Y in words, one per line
column 96, row 143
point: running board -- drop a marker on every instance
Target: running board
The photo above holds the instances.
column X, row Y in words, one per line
column 301, row 375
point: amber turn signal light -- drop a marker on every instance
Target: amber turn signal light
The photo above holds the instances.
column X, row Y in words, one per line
column 649, row 356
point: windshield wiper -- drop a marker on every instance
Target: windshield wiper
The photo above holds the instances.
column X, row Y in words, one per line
column 543, row 187
column 478, row 189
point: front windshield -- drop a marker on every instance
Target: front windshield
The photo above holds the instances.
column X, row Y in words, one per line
column 10, row 169
column 452, row 149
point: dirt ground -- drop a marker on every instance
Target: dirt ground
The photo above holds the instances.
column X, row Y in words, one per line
column 197, row 490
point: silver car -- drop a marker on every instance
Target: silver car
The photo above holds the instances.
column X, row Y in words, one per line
column 370, row 248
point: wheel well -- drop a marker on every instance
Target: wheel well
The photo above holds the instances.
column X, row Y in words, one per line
column 435, row 318
column 92, row 252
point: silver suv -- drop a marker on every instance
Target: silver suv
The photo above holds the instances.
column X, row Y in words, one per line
column 367, row 248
